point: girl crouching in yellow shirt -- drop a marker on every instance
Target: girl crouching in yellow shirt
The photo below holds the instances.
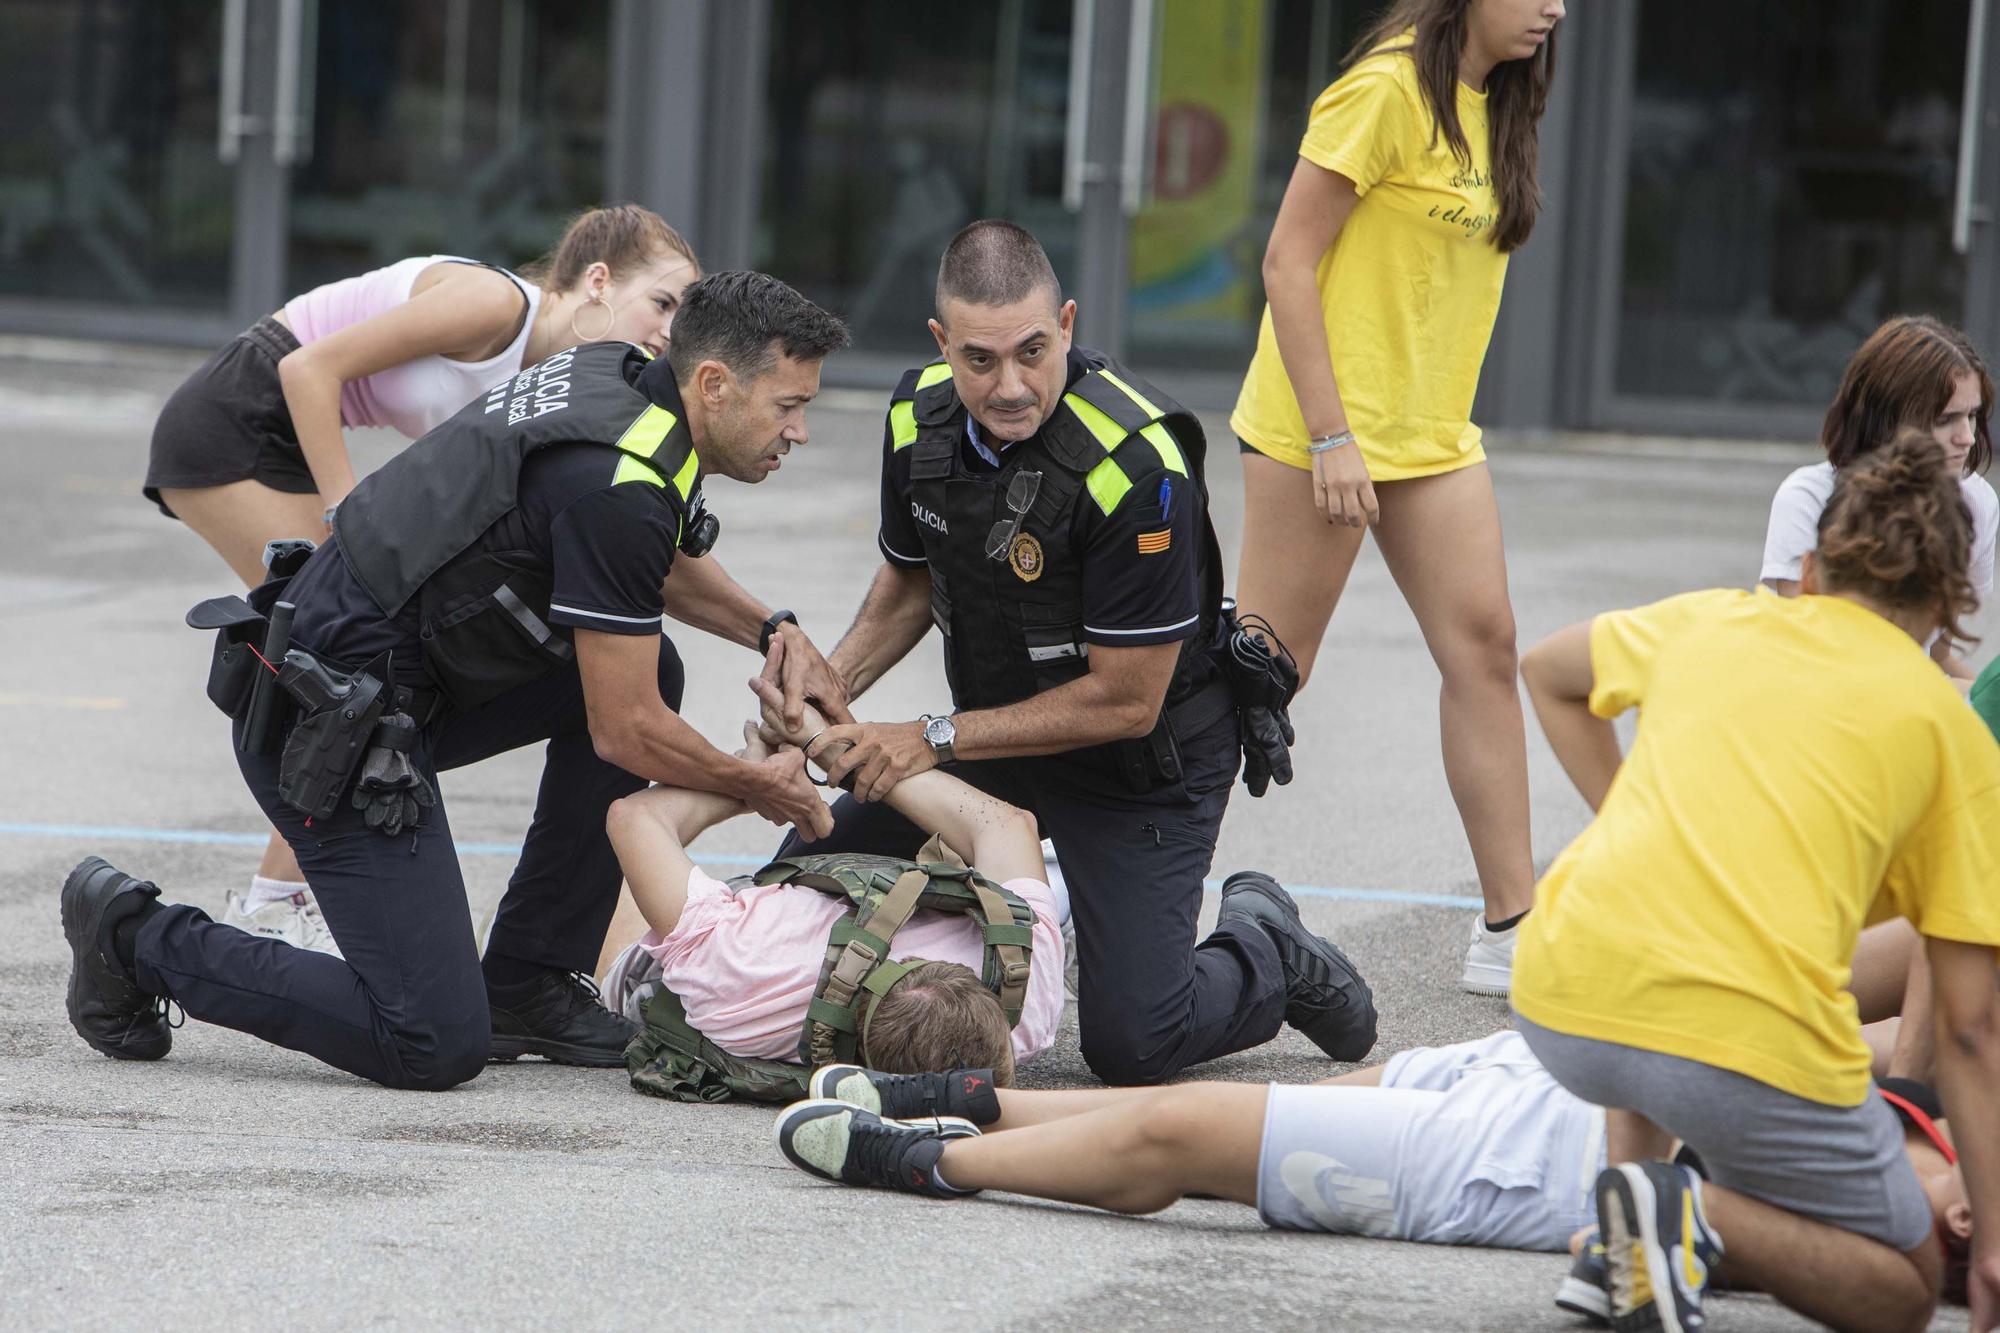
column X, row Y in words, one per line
column 1801, row 769
column 1416, row 179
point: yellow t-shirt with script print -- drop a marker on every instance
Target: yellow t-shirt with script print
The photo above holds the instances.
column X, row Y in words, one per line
column 1409, row 289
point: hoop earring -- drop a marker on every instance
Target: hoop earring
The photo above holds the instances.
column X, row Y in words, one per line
column 610, row 318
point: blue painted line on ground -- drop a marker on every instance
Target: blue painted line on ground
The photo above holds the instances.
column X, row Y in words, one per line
column 223, row 838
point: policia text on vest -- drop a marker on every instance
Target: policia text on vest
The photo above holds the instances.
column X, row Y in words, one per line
column 499, row 573
column 1109, row 545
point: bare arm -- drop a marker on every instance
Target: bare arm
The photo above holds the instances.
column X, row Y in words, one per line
column 1001, row 839
column 893, row 619
column 461, row 314
column 1915, row 1052
column 1558, row 676
column 1957, row 668
column 700, row 592
column 632, row 727
column 651, row 831
column 1316, row 207
column 1117, row 699
column 1968, row 1070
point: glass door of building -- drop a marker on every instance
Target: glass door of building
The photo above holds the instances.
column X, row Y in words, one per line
column 438, row 126
column 118, row 192
column 1774, row 181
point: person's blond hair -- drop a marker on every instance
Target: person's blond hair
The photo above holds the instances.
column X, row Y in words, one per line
column 939, row 1017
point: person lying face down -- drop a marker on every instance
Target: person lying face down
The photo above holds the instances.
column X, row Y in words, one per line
column 1469, row 1144
column 744, row 961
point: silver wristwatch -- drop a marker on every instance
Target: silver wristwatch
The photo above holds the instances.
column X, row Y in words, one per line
column 939, row 733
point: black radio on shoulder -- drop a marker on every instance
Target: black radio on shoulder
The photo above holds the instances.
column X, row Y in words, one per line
column 699, row 533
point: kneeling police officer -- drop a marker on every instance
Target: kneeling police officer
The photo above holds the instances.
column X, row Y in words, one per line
column 499, row 584
column 1046, row 510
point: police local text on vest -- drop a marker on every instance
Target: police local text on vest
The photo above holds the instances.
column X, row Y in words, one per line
column 535, row 392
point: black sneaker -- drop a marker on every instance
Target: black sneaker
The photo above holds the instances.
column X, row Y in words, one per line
column 106, row 1006
column 1658, row 1246
column 1587, row 1288
column 1325, row 997
column 965, row 1093
column 559, row 1018
column 849, row 1146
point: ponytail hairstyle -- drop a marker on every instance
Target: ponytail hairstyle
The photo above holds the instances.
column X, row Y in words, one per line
column 1517, row 93
column 1904, row 376
column 1897, row 531
column 625, row 237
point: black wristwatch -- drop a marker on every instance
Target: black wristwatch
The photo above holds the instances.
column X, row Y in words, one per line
column 776, row 619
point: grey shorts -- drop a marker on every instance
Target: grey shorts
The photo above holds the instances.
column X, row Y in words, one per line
column 1841, row 1165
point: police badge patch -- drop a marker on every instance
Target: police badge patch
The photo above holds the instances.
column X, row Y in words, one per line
column 1025, row 555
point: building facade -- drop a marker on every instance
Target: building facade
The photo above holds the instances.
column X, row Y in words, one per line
column 1737, row 190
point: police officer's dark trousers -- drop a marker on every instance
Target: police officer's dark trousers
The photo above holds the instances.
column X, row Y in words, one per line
column 407, row 1006
column 1151, row 1001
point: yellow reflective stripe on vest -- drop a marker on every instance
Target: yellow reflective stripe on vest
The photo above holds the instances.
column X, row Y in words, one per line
column 684, row 479
column 934, row 374
column 1108, row 432
column 1145, row 404
column 1108, row 485
column 902, row 424
column 1169, row 450
column 643, row 437
column 633, row 469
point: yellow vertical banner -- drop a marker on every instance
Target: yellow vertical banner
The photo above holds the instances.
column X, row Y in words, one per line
column 1191, row 282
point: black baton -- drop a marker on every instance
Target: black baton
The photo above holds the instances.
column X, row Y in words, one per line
column 260, row 724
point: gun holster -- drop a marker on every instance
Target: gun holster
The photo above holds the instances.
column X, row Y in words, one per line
column 337, row 716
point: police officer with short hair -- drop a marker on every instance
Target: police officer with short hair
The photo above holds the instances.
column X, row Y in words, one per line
column 500, row 584
column 1046, row 510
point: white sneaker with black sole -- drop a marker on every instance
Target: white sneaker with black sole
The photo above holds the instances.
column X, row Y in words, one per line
column 1489, row 959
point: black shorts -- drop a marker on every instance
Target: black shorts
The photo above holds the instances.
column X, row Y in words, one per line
column 229, row 422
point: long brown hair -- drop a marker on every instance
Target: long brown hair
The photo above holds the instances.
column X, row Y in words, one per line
column 625, row 237
column 1904, row 375
column 1897, row 531
column 1517, row 93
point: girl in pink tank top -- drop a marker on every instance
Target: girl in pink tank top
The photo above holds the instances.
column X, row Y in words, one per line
column 249, row 450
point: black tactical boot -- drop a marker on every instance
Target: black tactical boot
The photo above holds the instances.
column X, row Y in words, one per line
column 106, row 1006
column 558, row 1016
column 965, row 1093
column 1325, row 997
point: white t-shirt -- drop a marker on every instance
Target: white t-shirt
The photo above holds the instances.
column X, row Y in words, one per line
column 1794, row 526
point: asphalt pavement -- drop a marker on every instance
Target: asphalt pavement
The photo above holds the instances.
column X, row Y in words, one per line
column 236, row 1185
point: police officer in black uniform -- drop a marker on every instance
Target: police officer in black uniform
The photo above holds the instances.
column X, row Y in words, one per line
column 1046, row 510
column 499, row 584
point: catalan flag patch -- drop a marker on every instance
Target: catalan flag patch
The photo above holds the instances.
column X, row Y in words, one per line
column 1152, row 543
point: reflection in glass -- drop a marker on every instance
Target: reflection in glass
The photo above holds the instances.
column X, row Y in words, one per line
column 454, row 127
column 110, row 189
column 890, row 126
column 1790, row 186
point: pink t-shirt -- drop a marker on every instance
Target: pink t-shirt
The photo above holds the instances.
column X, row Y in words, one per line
column 744, row 961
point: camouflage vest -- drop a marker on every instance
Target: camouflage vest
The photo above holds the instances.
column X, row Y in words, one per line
column 670, row 1057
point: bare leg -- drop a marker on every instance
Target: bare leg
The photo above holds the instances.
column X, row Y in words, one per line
column 1630, row 1137
column 627, row 925
column 1881, row 966
column 1441, row 538
column 1138, row 1154
column 1293, row 564
column 237, row 520
column 1843, row 1280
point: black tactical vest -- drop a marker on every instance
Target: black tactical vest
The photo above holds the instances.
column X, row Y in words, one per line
column 1014, row 627
column 409, row 530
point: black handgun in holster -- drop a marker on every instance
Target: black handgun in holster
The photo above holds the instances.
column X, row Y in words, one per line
column 337, row 714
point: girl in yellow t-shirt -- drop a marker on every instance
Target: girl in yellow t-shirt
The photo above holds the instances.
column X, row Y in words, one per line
column 1800, row 769
column 1416, row 180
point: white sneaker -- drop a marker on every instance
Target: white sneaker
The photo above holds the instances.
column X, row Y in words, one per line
column 1489, row 961
column 294, row 919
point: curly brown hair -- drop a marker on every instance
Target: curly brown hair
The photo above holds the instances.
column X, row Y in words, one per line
column 1897, row 531
column 1904, row 375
